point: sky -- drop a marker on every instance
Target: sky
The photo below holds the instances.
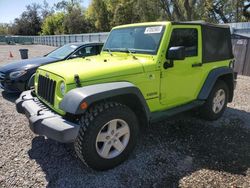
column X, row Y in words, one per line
column 11, row 9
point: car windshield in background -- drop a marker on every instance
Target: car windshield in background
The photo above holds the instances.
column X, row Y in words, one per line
column 62, row 52
column 145, row 39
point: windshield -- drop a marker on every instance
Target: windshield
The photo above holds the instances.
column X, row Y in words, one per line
column 62, row 52
column 143, row 39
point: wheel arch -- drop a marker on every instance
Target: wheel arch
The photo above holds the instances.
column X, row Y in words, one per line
column 134, row 103
column 122, row 92
column 229, row 80
column 225, row 74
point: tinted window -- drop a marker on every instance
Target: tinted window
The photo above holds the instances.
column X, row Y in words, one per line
column 217, row 44
column 63, row 52
column 99, row 48
column 187, row 38
column 87, row 51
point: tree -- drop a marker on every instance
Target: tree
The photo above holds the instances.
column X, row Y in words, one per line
column 29, row 22
column 246, row 10
column 53, row 24
column 225, row 11
column 133, row 11
column 74, row 21
column 69, row 20
column 46, row 10
column 100, row 15
column 147, row 10
column 124, row 13
column 217, row 11
column 4, row 29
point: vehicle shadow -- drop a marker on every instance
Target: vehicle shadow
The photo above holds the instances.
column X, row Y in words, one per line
column 12, row 97
column 166, row 152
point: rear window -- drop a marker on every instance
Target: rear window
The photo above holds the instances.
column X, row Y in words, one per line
column 217, row 44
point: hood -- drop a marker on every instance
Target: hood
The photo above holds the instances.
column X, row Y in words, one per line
column 96, row 67
column 26, row 64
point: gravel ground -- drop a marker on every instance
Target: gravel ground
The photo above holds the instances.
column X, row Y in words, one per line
column 183, row 151
column 34, row 51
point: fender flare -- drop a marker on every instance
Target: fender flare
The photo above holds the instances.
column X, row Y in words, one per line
column 211, row 80
column 94, row 93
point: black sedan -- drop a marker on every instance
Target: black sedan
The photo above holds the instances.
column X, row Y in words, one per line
column 19, row 76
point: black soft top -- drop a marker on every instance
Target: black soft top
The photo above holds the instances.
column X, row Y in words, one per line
column 216, row 41
column 202, row 23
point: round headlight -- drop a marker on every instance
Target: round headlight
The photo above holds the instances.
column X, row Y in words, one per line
column 62, row 88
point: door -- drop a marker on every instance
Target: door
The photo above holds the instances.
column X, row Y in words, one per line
column 181, row 83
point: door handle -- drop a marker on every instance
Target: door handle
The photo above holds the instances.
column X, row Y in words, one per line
column 197, row 65
column 167, row 64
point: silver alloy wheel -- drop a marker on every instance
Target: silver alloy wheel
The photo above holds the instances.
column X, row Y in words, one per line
column 112, row 139
column 219, row 100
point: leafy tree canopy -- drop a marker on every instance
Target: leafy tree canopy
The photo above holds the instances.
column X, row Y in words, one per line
column 69, row 17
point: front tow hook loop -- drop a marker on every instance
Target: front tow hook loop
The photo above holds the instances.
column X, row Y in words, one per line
column 39, row 112
column 23, row 97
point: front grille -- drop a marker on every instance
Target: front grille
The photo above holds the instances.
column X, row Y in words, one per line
column 2, row 76
column 46, row 89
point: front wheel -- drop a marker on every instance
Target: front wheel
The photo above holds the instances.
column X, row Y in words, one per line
column 216, row 103
column 107, row 135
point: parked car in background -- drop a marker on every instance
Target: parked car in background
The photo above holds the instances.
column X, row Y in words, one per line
column 19, row 76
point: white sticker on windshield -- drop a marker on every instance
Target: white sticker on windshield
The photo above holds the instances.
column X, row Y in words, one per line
column 73, row 46
column 150, row 30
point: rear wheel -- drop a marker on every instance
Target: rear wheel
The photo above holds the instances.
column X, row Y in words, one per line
column 216, row 103
column 107, row 135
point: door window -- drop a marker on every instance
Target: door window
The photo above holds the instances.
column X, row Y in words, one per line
column 87, row 51
column 187, row 38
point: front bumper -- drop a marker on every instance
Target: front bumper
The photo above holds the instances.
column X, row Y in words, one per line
column 43, row 121
column 12, row 86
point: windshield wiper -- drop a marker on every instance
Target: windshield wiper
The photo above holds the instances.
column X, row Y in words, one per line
column 108, row 50
column 127, row 50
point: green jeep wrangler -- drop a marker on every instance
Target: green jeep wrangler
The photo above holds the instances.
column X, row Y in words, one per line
column 146, row 72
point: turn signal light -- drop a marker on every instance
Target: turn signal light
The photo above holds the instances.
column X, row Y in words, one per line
column 84, row 106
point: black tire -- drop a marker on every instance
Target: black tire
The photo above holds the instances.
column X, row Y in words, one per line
column 206, row 111
column 30, row 83
column 91, row 124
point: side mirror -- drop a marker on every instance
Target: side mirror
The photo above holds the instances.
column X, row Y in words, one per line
column 176, row 53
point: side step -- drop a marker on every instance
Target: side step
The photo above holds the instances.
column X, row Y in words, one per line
column 158, row 116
